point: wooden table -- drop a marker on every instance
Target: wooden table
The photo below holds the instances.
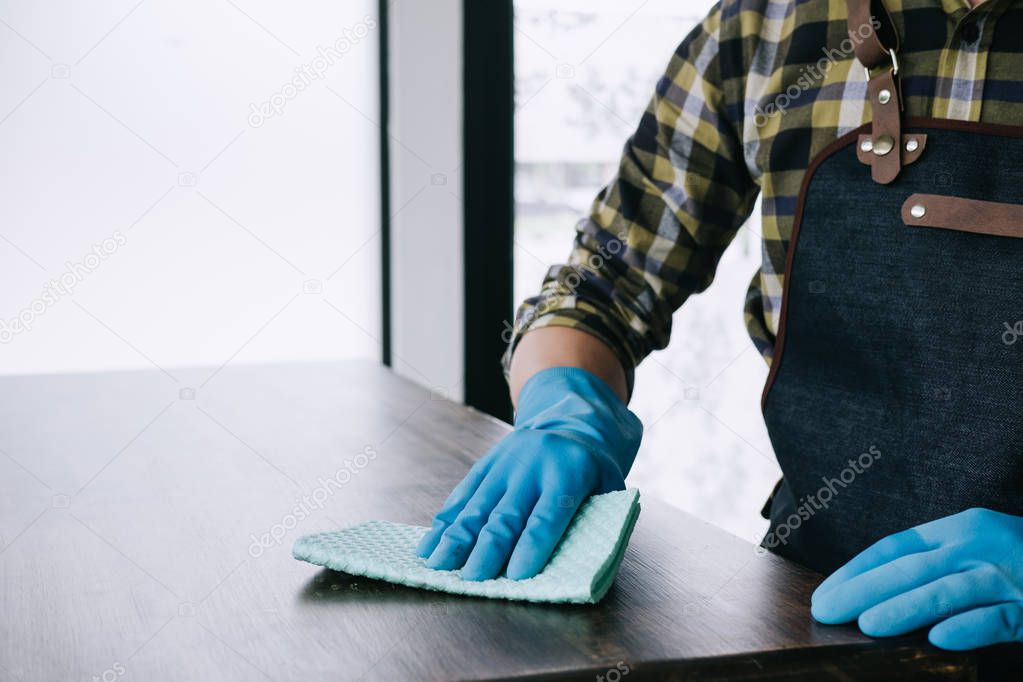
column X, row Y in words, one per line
column 133, row 505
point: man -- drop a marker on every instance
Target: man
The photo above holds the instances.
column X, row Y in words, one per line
column 887, row 149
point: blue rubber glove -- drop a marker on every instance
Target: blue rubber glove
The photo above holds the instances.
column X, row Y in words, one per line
column 573, row 438
column 963, row 572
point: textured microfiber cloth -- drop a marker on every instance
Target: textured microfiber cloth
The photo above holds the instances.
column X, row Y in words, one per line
column 581, row 570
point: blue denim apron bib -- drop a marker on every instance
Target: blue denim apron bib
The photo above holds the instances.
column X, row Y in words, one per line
column 896, row 391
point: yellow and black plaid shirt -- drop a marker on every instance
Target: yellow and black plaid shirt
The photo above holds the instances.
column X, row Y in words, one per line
column 748, row 100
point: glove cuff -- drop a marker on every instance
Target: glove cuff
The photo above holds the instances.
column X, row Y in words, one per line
column 574, row 400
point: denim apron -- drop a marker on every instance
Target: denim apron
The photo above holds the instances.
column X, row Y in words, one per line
column 895, row 395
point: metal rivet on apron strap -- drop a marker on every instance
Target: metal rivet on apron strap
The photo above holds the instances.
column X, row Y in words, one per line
column 918, row 211
column 884, row 97
column 912, row 144
column 883, row 145
column 867, row 145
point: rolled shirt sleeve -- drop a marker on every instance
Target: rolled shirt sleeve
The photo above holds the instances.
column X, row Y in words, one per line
column 655, row 234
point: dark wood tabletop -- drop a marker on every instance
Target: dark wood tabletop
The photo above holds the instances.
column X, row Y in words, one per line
column 147, row 522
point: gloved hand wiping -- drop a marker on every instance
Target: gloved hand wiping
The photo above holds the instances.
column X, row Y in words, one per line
column 573, row 438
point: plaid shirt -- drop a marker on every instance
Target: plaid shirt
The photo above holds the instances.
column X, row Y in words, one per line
column 748, row 100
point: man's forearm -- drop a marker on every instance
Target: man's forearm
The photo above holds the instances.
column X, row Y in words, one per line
column 565, row 347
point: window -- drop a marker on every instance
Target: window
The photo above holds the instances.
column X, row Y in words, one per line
column 222, row 159
column 584, row 73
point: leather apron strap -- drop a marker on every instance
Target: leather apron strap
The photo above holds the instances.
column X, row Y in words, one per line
column 876, row 44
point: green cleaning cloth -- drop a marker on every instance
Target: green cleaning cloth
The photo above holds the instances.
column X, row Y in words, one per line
column 581, row 570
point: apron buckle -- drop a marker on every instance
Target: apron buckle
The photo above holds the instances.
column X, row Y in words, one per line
column 895, row 66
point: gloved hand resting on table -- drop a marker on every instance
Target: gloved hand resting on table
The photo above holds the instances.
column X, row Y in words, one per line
column 573, row 438
column 963, row 572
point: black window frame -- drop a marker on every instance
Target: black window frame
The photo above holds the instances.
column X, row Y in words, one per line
column 488, row 198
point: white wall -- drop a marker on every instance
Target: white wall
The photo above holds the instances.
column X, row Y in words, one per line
column 133, row 122
column 426, row 151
